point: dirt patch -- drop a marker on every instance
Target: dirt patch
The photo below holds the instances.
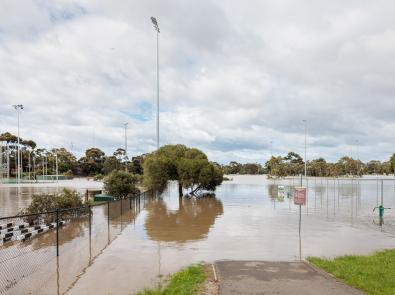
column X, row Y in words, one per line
column 211, row 285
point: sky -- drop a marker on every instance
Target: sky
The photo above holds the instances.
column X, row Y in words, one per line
column 237, row 78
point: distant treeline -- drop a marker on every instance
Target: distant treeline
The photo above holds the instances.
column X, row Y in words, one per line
column 293, row 164
column 238, row 168
column 39, row 161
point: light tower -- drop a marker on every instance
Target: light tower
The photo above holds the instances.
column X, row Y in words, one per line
column 156, row 26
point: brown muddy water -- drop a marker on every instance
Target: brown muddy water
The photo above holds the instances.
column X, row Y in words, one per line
column 246, row 220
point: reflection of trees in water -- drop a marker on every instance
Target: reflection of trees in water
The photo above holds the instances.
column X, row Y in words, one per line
column 130, row 209
column 192, row 220
column 273, row 191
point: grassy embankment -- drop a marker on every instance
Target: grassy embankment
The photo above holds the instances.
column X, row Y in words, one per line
column 373, row 274
column 188, row 281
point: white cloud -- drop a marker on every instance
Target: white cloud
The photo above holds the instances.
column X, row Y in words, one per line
column 234, row 75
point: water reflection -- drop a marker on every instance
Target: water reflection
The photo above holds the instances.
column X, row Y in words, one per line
column 192, row 220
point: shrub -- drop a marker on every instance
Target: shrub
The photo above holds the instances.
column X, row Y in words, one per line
column 120, row 184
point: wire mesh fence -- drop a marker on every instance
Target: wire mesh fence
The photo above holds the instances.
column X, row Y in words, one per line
column 44, row 253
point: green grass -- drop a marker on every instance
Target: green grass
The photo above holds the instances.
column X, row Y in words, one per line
column 374, row 274
column 188, row 281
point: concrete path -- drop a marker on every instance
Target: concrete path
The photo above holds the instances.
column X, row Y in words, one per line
column 259, row 277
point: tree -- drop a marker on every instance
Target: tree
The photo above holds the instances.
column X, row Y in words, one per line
column 121, row 184
column 392, row 164
column 136, row 165
column 276, row 166
column 110, row 164
column 238, row 168
column 67, row 162
column 189, row 166
column 120, row 154
column 294, row 164
column 232, row 168
column 92, row 163
column 317, row 167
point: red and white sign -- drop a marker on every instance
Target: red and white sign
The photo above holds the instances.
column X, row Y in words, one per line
column 300, row 196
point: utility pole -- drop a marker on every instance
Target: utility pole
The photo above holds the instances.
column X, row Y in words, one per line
column 305, row 148
column 156, row 26
column 18, row 107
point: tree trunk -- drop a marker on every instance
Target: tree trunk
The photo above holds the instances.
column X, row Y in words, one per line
column 179, row 189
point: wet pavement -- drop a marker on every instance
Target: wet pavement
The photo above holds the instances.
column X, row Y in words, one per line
column 279, row 278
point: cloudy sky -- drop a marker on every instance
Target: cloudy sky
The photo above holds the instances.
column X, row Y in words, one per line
column 234, row 75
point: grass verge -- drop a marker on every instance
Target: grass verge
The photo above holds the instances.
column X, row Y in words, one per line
column 373, row 274
column 188, row 281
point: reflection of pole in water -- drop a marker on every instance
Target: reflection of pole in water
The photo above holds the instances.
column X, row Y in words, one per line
column 377, row 191
column 57, row 276
column 300, row 225
column 334, row 197
column 307, row 195
column 321, row 188
column 300, row 236
column 352, row 200
column 338, row 199
column 327, row 198
column 315, row 193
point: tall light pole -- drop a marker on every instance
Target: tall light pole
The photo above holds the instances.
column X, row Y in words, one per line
column 126, row 139
column 156, row 26
column 18, row 108
column 305, row 148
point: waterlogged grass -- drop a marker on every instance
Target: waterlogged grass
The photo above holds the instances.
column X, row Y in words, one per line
column 374, row 274
column 188, row 281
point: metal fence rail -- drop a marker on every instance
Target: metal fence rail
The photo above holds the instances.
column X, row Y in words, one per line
column 44, row 253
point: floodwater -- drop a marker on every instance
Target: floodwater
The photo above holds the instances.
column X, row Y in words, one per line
column 13, row 199
column 247, row 220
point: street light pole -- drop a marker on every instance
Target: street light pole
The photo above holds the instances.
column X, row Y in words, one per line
column 305, row 148
column 18, row 107
column 156, row 26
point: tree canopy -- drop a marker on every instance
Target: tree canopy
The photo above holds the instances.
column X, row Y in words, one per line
column 189, row 166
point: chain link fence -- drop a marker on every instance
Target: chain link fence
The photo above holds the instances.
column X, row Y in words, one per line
column 45, row 253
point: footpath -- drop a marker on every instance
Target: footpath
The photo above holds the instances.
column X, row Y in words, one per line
column 269, row 278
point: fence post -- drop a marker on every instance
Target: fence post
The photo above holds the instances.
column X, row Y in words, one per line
column 57, row 232
column 108, row 220
column 90, row 231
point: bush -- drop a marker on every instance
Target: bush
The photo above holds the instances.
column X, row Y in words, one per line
column 51, row 201
column 120, row 184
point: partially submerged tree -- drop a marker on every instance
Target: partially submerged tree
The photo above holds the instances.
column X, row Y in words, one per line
column 189, row 166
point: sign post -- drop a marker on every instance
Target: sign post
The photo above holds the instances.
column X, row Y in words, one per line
column 300, row 199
